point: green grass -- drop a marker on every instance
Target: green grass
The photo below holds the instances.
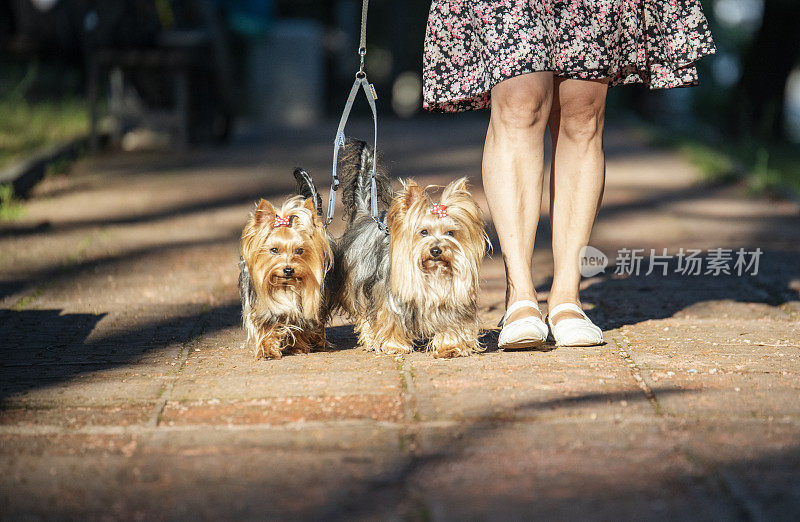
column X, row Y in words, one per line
column 764, row 167
column 41, row 105
column 10, row 207
column 25, row 126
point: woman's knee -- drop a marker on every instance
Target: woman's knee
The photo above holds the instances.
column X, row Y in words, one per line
column 582, row 122
column 580, row 108
column 521, row 103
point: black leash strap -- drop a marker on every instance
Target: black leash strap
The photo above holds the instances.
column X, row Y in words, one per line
column 360, row 83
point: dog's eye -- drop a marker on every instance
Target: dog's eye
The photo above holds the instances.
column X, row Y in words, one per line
column 423, row 232
column 298, row 251
column 451, row 233
column 273, row 250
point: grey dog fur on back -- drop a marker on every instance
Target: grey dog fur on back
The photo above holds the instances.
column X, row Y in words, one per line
column 356, row 169
column 362, row 263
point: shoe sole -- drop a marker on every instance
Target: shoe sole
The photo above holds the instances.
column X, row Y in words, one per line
column 582, row 344
column 522, row 344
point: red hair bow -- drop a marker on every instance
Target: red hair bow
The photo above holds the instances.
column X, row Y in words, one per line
column 282, row 222
column 440, row 210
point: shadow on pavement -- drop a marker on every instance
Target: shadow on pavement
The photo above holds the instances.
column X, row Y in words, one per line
column 41, row 348
column 401, row 491
column 740, row 487
column 341, row 337
column 186, row 209
column 344, row 338
column 623, row 300
column 130, row 257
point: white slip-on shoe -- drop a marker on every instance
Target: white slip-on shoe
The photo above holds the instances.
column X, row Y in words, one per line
column 574, row 331
column 528, row 332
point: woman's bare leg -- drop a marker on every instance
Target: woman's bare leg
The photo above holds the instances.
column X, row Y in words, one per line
column 513, row 170
column 576, row 180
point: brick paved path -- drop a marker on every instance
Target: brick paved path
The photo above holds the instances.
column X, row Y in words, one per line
column 126, row 392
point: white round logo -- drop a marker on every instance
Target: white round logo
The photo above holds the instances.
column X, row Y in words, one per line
column 592, row 261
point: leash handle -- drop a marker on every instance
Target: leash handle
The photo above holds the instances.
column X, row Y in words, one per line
column 360, row 83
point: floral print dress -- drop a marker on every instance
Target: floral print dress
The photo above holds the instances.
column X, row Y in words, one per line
column 472, row 45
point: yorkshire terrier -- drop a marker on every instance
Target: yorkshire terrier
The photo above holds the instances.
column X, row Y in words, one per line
column 286, row 255
column 416, row 279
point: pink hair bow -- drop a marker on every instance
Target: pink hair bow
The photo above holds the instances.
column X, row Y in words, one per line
column 282, row 222
column 440, row 210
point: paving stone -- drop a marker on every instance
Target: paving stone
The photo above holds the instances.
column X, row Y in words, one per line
column 238, row 375
column 715, row 357
column 731, row 395
column 87, row 387
column 686, row 346
column 249, row 484
column 77, row 417
column 756, row 461
column 562, row 382
column 557, row 470
column 284, row 410
column 356, row 436
column 18, row 447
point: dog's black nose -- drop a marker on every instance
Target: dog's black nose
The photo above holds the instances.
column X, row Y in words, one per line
column 288, row 271
column 436, row 251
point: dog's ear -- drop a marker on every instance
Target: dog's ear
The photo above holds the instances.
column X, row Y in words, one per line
column 311, row 206
column 455, row 188
column 264, row 213
column 461, row 205
column 410, row 194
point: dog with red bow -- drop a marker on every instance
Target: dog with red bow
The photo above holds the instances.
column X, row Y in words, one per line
column 414, row 279
column 286, row 255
